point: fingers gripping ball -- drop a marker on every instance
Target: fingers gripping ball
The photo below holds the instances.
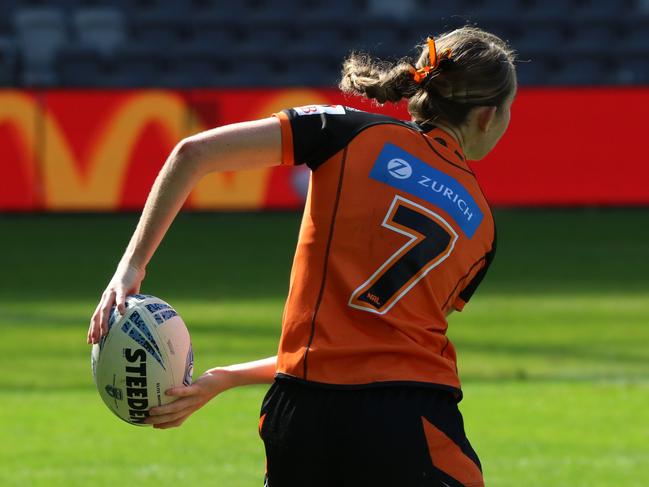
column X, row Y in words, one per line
column 147, row 350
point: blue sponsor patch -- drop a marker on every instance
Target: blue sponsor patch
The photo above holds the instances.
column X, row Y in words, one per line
column 403, row 171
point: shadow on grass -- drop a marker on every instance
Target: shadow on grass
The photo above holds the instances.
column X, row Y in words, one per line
column 248, row 255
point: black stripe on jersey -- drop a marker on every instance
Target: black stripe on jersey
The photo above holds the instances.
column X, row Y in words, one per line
column 445, row 346
column 326, row 261
column 468, row 291
column 470, row 288
column 444, row 158
column 427, row 127
column 461, row 280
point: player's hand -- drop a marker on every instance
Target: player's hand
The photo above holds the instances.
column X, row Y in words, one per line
column 190, row 399
column 126, row 280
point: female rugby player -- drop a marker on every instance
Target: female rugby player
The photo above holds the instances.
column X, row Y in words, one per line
column 396, row 234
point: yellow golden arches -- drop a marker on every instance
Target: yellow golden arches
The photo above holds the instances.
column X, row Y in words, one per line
column 100, row 188
column 22, row 111
column 291, row 98
column 247, row 189
column 65, row 185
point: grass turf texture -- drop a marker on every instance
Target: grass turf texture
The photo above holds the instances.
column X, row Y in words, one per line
column 552, row 349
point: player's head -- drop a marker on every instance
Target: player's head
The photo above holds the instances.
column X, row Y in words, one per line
column 467, row 84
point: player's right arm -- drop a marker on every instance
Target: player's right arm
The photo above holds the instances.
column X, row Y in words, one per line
column 240, row 146
column 190, row 399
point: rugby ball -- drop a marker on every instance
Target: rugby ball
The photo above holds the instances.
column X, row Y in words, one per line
column 146, row 351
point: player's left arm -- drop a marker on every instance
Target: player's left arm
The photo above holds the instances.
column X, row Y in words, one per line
column 206, row 387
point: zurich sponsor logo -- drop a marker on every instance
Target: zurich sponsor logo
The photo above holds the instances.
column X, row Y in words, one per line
column 400, row 169
column 403, row 171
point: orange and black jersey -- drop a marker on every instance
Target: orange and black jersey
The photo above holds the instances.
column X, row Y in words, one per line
column 396, row 233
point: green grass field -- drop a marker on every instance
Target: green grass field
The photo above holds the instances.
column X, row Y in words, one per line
column 553, row 349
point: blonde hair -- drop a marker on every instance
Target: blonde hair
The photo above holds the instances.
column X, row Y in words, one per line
column 476, row 68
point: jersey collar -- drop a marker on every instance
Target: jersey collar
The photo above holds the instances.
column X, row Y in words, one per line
column 442, row 138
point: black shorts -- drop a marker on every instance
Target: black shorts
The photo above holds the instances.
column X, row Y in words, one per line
column 396, row 436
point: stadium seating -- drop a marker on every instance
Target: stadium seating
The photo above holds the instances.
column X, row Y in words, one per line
column 599, row 36
column 636, row 38
column 532, row 72
column 80, row 67
column 7, row 62
column 635, row 70
column 197, row 67
column 40, row 32
column 162, row 29
column 601, row 10
column 100, row 28
column 102, row 43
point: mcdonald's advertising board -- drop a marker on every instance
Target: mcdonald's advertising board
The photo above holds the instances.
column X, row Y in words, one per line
column 67, row 150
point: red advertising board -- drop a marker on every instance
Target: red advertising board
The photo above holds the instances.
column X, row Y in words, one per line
column 101, row 150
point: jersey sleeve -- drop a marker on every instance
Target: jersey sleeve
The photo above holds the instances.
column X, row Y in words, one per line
column 314, row 133
column 465, row 295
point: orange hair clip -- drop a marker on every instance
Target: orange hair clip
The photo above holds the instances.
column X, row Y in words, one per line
column 421, row 74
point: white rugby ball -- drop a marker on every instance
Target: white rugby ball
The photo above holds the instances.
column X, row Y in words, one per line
column 146, row 351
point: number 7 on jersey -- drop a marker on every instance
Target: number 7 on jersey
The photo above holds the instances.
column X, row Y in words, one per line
column 432, row 240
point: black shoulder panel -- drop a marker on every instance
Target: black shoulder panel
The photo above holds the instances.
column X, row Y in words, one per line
column 320, row 131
